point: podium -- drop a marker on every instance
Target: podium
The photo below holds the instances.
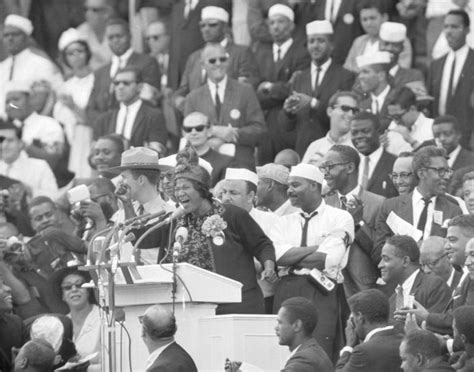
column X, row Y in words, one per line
column 198, row 293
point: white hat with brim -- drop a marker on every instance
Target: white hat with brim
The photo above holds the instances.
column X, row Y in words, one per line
column 22, row 23
column 214, row 12
column 281, row 10
column 307, row 171
column 393, row 32
column 68, row 37
column 377, row 58
column 170, row 161
column 319, row 28
column 241, row 174
column 139, row 158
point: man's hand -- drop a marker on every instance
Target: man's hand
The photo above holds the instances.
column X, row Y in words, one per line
column 268, row 272
column 351, row 335
column 405, row 132
column 356, row 208
column 264, row 87
column 124, row 193
column 419, row 311
column 410, row 323
column 232, row 366
column 383, row 138
column 297, row 102
column 227, row 134
column 92, row 210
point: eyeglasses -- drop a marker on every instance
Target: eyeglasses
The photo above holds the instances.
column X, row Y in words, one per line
column 434, row 263
column 346, row 108
column 77, row 285
column 441, row 171
column 75, row 52
column 329, row 167
column 208, row 24
column 124, row 82
column 213, row 61
column 402, row 175
column 197, row 128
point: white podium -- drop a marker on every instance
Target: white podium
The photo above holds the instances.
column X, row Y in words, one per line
column 198, row 293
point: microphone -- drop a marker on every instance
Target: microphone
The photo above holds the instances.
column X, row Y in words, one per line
column 114, row 251
column 180, row 237
column 175, row 215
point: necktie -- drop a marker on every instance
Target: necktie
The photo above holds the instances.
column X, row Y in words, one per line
column 316, row 79
column 343, row 200
column 124, row 122
column 278, row 56
column 329, row 10
column 375, row 105
column 399, row 303
column 218, row 102
column 12, row 69
column 365, row 173
column 423, row 215
column 304, row 235
column 451, row 81
column 188, row 6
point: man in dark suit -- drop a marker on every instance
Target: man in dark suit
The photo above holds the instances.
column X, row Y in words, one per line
column 340, row 167
column 277, row 63
column 102, row 96
column 305, row 109
column 236, row 117
column 166, row 355
column 372, row 344
column 376, row 163
column 138, row 122
column 453, row 87
column 214, row 28
column 427, row 207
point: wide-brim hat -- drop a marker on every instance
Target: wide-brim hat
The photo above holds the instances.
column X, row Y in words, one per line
column 139, row 158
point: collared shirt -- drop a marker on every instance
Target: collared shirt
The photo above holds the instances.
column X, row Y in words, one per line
column 453, row 155
column 220, row 90
column 127, row 114
column 393, row 71
column 418, row 205
column 351, row 194
column 377, row 107
column 321, row 146
column 373, row 160
column 407, row 286
column 43, row 128
column 324, row 67
column 420, row 131
column 34, row 173
column 371, row 48
column 283, row 49
column 286, row 208
column 461, row 56
column 376, row 330
column 292, row 353
column 119, row 62
column 288, row 233
column 451, row 277
column 266, row 220
column 155, row 355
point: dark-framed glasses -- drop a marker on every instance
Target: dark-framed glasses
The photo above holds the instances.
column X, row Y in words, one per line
column 441, row 171
column 197, row 128
column 401, row 175
column 78, row 285
column 213, row 61
column 329, row 167
column 346, row 108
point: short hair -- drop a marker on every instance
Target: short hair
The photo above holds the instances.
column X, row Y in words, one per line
column 461, row 13
column 465, row 222
column 422, row 342
column 40, row 354
column 447, row 119
column 403, row 97
column 406, row 154
column 117, row 139
column 372, row 4
column 104, row 184
column 8, row 125
column 348, row 154
column 134, row 70
column 406, row 246
column 118, row 22
column 422, row 158
column 468, row 176
column 83, row 43
column 365, row 115
column 40, row 200
column 372, row 304
column 303, row 309
column 196, row 114
column 342, row 93
column 251, row 187
column 153, row 176
column 464, row 318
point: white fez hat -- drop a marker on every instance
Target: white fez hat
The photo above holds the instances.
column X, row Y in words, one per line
column 280, row 9
column 393, row 32
column 69, row 36
column 308, row 171
column 319, row 27
column 24, row 24
column 241, row 174
column 215, row 12
column 376, row 58
column 18, row 86
column 170, row 161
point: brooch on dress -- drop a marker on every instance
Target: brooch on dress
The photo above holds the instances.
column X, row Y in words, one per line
column 213, row 227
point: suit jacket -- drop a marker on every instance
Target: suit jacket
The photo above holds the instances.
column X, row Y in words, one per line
column 219, row 163
column 402, row 206
column 149, row 125
column 465, row 158
column 241, row 64
column 309, row 357
column 462, row 104
column 311, row 124
column 405, row 76
column 102, row 96
column 456, row 279
column 379, row 354
column 380, row 183
column 366, row 105
column 438, row 365
column 173, row 359
column 250, row 123
column 361, row 272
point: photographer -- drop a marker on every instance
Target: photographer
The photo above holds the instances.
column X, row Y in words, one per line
column 12, row 206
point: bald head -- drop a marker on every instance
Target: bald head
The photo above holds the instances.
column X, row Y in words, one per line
column 159, row 324
column 36, row 355
column 433, row 257
column 287, row 157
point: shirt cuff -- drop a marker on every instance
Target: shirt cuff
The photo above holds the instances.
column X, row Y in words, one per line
column 449, row 346
column 348, row 349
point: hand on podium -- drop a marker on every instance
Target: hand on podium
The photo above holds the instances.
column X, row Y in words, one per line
column 232, row 366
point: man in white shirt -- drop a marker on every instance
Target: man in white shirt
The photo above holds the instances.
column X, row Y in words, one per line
column 341, row 108
column 317, row 238
column 158, row 330
column 35, row 174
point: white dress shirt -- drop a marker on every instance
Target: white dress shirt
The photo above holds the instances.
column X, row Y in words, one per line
column 34, row 173
column 377, row 108
column 407, row 286
column 286, row 208
column 221, row 85
column 371, row 48
column 453, row 155
column 422, row 130
column 373, row 160
column 331, row 10
column 130, row 114
column 266, row 220
column 418, row 205
column 324, row 67
column 43, row 128
column 283, row 49
column 155, row 355
column 321, row 146
column 288, row 233
column 354, row 193
column 119, row 62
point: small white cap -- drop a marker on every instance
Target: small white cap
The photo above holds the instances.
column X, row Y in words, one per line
column 376, row 58
column 69, row 36
column 170, row 161
column 393, row 32
column 308, row 171
column 275, row 172
column 283, row 10
column 215, row 12
column 18, row 86
column 241, row 174
column 24, row 24
column 319, row 27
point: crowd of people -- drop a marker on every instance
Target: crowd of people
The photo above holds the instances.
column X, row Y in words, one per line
column 317, row 151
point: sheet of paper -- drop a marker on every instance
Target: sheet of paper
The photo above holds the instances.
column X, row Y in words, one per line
column 401, row 227
column 247, row 367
